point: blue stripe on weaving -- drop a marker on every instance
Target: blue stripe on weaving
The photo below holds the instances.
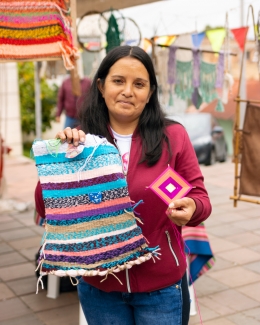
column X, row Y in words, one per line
column 72, row 167
column 133, row 256
column 95, row 244
column 84, row 190
column 77, row 221
column 90, row 233
column 60, row 157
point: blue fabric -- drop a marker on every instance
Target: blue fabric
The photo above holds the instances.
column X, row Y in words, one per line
column 159, row 307
column 204, row 253
column 197, row 39
column 71, row 122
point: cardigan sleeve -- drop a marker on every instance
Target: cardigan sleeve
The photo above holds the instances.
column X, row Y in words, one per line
column 39, row 204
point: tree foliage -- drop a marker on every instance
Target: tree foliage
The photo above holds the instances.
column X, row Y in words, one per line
column 27, row 99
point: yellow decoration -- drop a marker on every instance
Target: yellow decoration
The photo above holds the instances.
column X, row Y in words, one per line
column 216, row 38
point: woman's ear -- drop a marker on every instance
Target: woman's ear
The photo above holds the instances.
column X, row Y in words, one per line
column 100, row 86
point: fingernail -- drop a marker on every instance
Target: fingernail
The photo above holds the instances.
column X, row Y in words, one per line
column 76, row 143
column 171, row 205
column 82, row 139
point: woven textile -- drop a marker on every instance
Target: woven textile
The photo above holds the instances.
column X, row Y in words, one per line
column 90, row 225
column 198, row 248
column 36, row 30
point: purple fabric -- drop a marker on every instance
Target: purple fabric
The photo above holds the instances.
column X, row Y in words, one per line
column 163, row 186
column 220, row 71
column 97, row 257
column 196, row 69
column 195, row 97
column 172, row 65
column 82, row 214
column 67, row 101
column 83, row 183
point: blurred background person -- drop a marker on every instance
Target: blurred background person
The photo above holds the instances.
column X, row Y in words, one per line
column 69, row 103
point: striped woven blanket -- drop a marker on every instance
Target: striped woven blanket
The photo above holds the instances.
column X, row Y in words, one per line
column 36, row 30
column 198, row 249
column 90, row 226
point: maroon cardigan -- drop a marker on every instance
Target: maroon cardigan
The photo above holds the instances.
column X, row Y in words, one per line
column 157, row 227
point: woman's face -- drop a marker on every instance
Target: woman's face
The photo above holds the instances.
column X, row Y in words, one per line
column 126, row 91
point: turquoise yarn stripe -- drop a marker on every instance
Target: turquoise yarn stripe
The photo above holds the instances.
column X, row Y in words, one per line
column 60, row 157
column 72, row 167
column 84, row 190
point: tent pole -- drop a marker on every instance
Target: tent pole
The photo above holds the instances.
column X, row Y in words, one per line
column 38, row 103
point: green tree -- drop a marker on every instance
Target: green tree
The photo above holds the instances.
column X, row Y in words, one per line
column 48, row 99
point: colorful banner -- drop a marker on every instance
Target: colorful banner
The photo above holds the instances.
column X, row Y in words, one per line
column 240, row 36
column 164, row 40
column 216, row 38
column 197, row 39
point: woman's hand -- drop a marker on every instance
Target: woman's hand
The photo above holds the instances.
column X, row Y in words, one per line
column 71, row 136
column 180, row 211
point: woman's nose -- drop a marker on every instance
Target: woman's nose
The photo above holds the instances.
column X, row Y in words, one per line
column 127, row 91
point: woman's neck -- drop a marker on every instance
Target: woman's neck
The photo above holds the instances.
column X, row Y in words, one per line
column 123, row 128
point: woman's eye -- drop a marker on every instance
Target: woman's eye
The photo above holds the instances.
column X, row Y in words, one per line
column 139, row 84
column 118, row 81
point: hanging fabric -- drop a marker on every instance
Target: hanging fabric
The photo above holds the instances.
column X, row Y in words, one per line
column 172, row 65
column 207, row 81
column 240, row 36
column 216, row 38
column 36, row 30
column 112, row 34
column 196, row 68
column 197, row 39
column 220, row 71
column 184, row 87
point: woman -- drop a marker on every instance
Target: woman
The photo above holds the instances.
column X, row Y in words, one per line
column 123, row 106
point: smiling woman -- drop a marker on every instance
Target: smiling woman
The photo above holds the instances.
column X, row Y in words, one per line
column 123, row 107
column 126, row 90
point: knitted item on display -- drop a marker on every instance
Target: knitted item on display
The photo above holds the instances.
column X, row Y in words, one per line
column 36, row 30
column 90, row 226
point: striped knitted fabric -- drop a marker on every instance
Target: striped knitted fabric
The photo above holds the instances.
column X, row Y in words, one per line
column 36, row 30
column 90, row 226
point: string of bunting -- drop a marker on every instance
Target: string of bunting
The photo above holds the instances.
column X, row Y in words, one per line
column 36, row 30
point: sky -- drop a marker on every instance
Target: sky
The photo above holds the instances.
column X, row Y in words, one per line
column 183, row 16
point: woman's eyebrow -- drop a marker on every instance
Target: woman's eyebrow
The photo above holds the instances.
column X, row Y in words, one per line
column 119, row 76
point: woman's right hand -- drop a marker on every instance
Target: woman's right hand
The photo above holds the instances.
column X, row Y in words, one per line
column 71, row 136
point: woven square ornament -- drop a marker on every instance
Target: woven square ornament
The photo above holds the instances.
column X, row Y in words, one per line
column 90, row 226
column 170, row 185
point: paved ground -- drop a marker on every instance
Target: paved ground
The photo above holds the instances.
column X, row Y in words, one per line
column 229, row 294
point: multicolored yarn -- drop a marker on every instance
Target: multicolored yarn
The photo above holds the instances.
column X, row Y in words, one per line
column 27, row 26
column 197, row 247
column 90, row 226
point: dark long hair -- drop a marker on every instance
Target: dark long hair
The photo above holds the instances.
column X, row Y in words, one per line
column 94, row 116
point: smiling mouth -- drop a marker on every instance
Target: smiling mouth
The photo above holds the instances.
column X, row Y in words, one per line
column 124, row 102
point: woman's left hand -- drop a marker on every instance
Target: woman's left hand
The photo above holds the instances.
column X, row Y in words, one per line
column 180, row 211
